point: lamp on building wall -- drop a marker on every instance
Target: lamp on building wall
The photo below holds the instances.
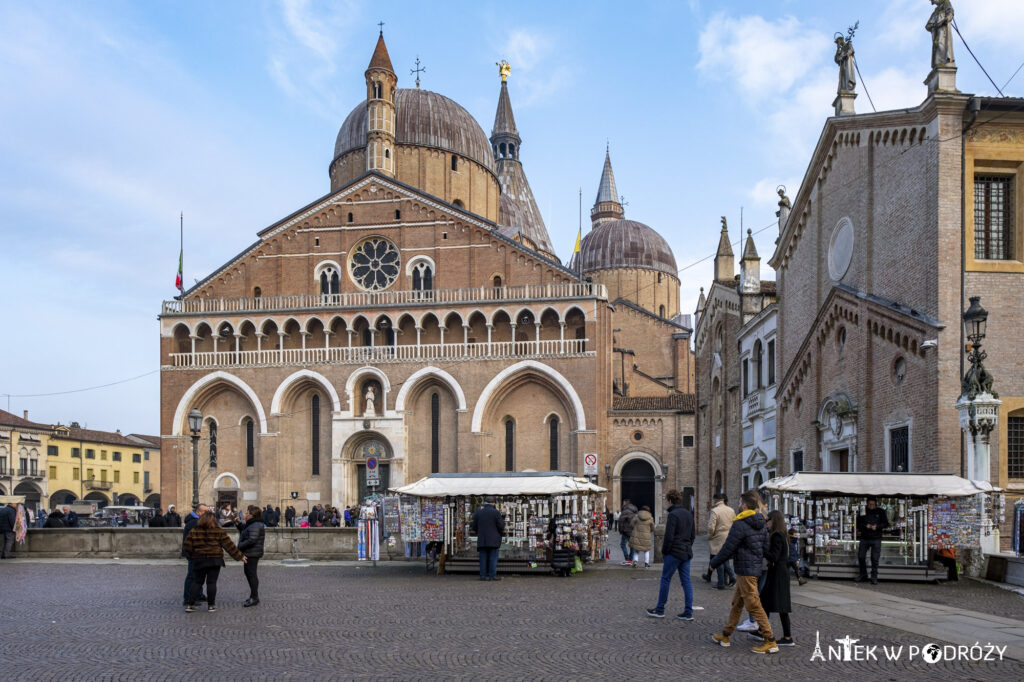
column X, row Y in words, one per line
column 664, row 471
column 195, row 424
column 976, row 321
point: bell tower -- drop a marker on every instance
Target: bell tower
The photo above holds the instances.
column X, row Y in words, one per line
column 381, row 82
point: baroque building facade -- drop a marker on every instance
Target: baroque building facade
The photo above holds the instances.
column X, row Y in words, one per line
column 417, row 314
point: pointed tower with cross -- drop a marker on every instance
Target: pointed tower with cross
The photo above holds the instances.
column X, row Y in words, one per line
column 381, row 83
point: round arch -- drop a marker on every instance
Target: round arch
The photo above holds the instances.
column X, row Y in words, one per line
column 650, row 488
column 206, row 382
column 350, row 385
column 304, row 374
column 226, row 481
column 540, row 368
column 430, row 371
column 62, row 497
column 100, row 499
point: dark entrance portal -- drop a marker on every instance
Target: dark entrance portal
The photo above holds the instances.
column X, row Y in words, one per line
column 637, row 484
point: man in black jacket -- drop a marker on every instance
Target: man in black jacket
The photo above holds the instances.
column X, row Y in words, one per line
column 629, row 511
column 676, row 552
column 172, row 517
column 745, row 545
column 190, row 522
column 158, row 521
column 8, row 517
column 488, row 526
column 870, row 525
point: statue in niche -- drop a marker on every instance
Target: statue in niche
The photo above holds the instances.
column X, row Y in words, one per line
column 844, row 58
column 940, row 25
column 370, row 396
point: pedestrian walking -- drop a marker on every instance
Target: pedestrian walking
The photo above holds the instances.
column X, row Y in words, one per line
column 870, row 525
column 719, row 523
column 488, row 525
column 676, row 553
column 8, row 516
column 172, row 517
column 190, row 522
column 794, row 561
column 775, row 593
column 746, row 544
column 251, row 536
column 629, row 512
column 205, row 546
column 750, row 624
column 641, row 539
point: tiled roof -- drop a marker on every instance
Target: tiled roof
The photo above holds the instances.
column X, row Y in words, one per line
column 93, row 436
column 8, row 419
column 683, row 402
column 147, row 440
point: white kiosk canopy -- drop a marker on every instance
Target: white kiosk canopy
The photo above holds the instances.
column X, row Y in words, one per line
column 924, row 485
column 498, row 484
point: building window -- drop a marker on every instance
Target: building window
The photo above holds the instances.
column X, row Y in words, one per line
column 90, row 453
column 374, row 264
column 250, row 445
column 1015, row 447
column 899, row 450
column 718, row 482
column 145, row 455
column 103, row 475
column 103, row 455
column 993, row 217
column 398, row 214
column 455, row 163
column 510, row 445
column 330, row 283
column 117, row 456
column 137, row 458
column 89, row 475
column 51, row 451
column 135, row 477
column 33, row 467
column 3, row 466
column 315, row 433
column 422, row 277
column 771, row 363
column 350, row 217
column 75, row 452
column 53, row 472
column 553, row 443
column 377, row 89
column 746, row 377
column 117, row 476
column 75, row 474
column 435, row 433
column 746, row 483
column 748, row 435
column 798, row 461
column 758, row 362
column 768, row 429
column 496, row 282
column 661, row 311
column 687, row 441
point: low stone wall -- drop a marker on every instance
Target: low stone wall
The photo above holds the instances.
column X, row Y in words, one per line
column 165, row 543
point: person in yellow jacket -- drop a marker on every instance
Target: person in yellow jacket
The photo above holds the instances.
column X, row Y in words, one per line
column 719, row 523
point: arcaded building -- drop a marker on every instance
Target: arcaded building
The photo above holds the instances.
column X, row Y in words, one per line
column 418, row 314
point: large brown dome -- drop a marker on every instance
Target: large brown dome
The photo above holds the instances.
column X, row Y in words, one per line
column 424, row 119
column 626, row 244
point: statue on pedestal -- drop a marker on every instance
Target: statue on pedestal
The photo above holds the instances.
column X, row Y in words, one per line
column 370, row 410
column 844, row 58
column 940, row 25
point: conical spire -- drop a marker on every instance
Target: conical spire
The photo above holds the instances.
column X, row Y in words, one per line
column 724, row 247
column 606, row 205
column 749, row 250
column 504, row 121
column 606, row 191
column 380, row 59
column 725, row 263
column 701, row 302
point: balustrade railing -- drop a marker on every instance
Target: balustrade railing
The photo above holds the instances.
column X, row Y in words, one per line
column 370, row 299
column 400, row 353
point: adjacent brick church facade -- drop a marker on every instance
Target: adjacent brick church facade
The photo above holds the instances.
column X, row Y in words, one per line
column 417, row 314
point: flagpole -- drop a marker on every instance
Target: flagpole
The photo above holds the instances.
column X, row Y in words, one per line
column 579, row 233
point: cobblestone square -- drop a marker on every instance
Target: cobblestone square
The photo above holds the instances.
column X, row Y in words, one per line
column 109, row 621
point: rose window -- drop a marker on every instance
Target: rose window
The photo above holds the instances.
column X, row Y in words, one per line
column 374, row 264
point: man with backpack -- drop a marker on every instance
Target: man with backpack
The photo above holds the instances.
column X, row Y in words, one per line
column 629, row 512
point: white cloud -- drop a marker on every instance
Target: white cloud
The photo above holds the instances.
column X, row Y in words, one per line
column 765, row 58
column 535, row 69
column 988, row 22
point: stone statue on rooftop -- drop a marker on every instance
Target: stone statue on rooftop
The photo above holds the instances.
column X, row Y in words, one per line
column 844, row 58
column 940, row 25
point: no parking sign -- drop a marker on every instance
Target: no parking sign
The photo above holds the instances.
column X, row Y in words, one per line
column 590, row 464
column 372, row 472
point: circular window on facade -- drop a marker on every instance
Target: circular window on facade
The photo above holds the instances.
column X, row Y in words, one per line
column 374, row 264
column 840, row 249
column 638, row 436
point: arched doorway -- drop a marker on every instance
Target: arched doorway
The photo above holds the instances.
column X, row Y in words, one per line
column 99, row 498
column 62, row 497
column 377, row 448
column 127, row 500
column 225, row 489
column 153, row 500
column 31, row 492
column 637, row 484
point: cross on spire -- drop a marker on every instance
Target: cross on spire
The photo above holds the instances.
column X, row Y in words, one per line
column 417, row 71
column 381, row 25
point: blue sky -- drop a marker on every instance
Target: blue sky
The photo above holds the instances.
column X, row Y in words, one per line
column 116, row 116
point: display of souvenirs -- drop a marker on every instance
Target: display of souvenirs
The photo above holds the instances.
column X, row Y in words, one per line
column 392, row 524
column 432, row 512
column 954, row 522
column 411, row 522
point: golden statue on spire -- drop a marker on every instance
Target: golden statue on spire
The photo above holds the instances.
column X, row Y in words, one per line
column 504, row 68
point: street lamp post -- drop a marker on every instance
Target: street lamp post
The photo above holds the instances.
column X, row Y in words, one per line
column 195, row 423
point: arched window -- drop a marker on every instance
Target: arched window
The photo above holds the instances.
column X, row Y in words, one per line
column 497, row 281
column 718, row 482
column 213, row 444
column 398, row 214
column 512, row 151
column 387, row 153
column 250, row 445
column 377, row 90
column 422, row 277
column 330, row 283
column 510, row 445
column 553, row 443
column 315, row 433
column 350, row 217
column 661, row 310
column 435, row 433
column 502, row 147
column 758, row 358
column 455, row 163
column 256, row 292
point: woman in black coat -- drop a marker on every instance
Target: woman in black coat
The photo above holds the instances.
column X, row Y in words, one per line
column 775, row 593
column 251, row 536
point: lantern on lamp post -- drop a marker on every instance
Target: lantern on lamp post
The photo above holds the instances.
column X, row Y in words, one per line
column 195, row 424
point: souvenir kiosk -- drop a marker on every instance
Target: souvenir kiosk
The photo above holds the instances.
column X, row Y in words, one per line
column 439, row 509
column 926, row 512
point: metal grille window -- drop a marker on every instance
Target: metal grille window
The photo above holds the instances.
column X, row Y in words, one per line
column 510, row 449
column 315, row 435
column 435, row 433
column 250, row 446
column 798, row 461
column 899, row 450
column 553, row 443
column 1015, row 447
column 993, row 217
column 771, row 363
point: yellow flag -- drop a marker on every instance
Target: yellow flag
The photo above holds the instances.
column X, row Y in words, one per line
column 576, row 249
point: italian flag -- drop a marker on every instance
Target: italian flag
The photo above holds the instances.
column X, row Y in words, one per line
column 178, row 281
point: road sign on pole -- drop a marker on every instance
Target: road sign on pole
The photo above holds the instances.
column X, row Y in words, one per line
column 372, row 472
column 590, row 464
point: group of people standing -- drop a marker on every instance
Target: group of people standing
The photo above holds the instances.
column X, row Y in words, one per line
column 636, row 532
column 204, row 542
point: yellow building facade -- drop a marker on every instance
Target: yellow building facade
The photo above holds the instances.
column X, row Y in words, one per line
column 23, row 446
column 106, row 467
